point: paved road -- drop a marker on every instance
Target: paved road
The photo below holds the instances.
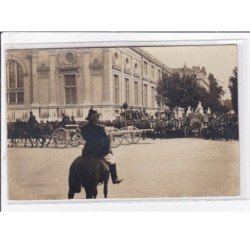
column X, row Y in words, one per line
column 186, row 167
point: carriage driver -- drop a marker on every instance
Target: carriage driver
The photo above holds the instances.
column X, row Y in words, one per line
column 32, row 120
column 98, row 145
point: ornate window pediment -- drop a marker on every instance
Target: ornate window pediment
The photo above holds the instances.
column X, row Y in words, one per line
column 43, row 70
column 67, row 59
column 96, row 67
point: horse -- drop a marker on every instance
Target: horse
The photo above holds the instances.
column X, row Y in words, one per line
column 41, row 132
column 19, row 131
column 87, row 173
column 12, row 133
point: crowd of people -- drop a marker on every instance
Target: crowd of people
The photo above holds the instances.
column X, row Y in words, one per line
column 164, row 125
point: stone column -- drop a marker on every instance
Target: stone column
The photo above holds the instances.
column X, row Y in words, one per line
column 52, row 84
column 107, row 77
column 28, row 82
column 141, row 83
column 86, row 77
column 132, row 99
column 122, row 87
column 35, row 79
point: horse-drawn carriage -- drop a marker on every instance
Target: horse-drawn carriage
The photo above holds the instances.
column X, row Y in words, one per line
column 22, row 133
column 67, row 135
column 194, row 125
column 126, row 135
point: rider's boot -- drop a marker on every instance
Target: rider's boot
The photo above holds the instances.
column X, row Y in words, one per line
column 114, row 176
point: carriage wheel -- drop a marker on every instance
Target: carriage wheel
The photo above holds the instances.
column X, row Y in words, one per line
column 76, row 140
column 61, row 138
column 136, row 135
column 195, row 132
column 127, row 136
column 115, row 140
column 186, row 132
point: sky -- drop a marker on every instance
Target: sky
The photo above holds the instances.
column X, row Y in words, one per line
column 218, row 60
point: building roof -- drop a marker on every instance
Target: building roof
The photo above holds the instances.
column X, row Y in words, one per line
column 151, row 58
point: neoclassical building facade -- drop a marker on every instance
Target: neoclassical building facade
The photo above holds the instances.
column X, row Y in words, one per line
column 50, row 82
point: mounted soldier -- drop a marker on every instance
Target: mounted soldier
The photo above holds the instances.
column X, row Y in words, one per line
column 97, row 144
column 32, row 122
column 65, row 120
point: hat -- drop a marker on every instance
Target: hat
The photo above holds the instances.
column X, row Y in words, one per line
column 92, row 115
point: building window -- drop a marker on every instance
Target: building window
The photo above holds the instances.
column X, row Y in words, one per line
column 136, row 68
column 12, row 98
column 136, row 93
column 145, row 68
column 152, row 97
column 15, row 79
column 70, row 89
column 20, row 97
column 116, row 89
column 127, row 97
column 152, row 72
column 145, row 95
column 116, row 58
column 159, row 74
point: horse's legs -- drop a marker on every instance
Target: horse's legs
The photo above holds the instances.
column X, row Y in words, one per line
column 31, row 141
column 105, row 186
column 48, row 142
column 71, row 194
column 95, row 193
column 88, row 194
column 105, row 189
column 91, row 192
column 43, row 141
column 36, row 142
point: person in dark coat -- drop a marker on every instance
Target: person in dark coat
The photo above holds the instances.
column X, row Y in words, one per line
column 65, row 120
column 91, row 111
column 98, row 144
column 32, row 120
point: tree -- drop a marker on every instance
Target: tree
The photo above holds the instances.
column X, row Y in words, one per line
column 190, row 95
column 215, row 94
column 233, row 86
column 228, row 103
column 168, row 90
column 178, row 91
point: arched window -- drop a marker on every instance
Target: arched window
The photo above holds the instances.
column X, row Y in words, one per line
column 15, row 79
column 136, row 68
column 116, row 58
column 127, row 89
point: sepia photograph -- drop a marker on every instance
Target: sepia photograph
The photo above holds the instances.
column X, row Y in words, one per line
column 122, row 122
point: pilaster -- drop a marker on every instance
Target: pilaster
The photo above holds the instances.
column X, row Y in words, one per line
column 107, row 77
column 35, row 101
column 52, row 85
column 86, row 78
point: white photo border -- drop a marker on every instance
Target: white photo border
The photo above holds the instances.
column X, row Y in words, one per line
column 22, row 40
